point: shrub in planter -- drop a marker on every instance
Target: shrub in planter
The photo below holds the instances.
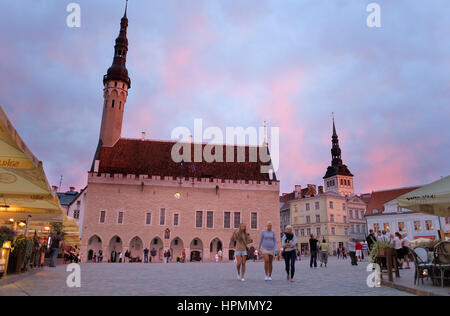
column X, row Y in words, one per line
column 6, row 234
column 380, row 248
column 20, row 254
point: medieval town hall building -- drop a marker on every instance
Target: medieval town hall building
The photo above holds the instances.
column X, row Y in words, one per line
column 138, row 197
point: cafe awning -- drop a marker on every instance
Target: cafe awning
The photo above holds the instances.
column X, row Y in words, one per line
column 24, row 189
column 433, row 198
column 71, row 232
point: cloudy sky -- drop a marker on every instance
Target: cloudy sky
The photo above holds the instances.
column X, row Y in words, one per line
column 238, row 63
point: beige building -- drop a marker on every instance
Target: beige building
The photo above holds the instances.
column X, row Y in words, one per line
column 139, row 197
column 323, row 215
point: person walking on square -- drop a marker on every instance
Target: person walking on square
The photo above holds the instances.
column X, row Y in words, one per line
column 289, row 242
column 351, row 245
column 405, row 244
column 146, row 255
column 168, row 254
column 313, row 250
column 398, row 245
column 371, row 239
column 153, row 254
column 55, row 246
column 242, row 239
column 358, row 247
column 267, row 247
column 323, row 253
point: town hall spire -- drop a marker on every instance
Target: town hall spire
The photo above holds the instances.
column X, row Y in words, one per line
column 116, row 84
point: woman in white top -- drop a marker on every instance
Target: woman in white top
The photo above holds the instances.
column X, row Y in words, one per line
column 398, row 245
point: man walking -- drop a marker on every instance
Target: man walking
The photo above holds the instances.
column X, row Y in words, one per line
column 351, row 245
column 313, row 249
column 146, row 255
column 152, row 254
column 55, row 246
column 371, row 239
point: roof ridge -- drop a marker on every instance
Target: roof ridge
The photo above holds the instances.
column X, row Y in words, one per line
column 176, row 141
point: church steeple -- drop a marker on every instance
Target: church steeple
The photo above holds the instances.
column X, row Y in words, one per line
column 338, row 178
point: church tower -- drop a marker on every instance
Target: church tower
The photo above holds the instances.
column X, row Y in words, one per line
column 338, row 178
column 116, row 84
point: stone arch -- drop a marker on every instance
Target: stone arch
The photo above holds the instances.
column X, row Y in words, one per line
column 136, row 248
column 176, row 248
column 196, row 247
column 215, row 246
column 157, row 244
column 114, row 249
column 94, row 245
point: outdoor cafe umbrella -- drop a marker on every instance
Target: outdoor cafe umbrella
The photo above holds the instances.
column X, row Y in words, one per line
column 70, row 232
column 24, row 189
column 433, row 198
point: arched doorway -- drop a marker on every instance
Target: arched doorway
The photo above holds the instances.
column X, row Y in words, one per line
column 94, row 245
column 115, row 248
column 176, row 248
column 157, row 246
column 231, row 250
column 214, row 247
column 136, row 249
column 196, row 247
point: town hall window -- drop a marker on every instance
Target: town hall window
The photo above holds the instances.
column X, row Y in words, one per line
column 254, row 220
column 199, row 219
column 317, row 205
column 102, row 216
column 227, row 220
column 148, row 218
column 209, row 219
column 176, row 218
column 237, row 219
column 162, row 217
column 331, row 204
column 120, row 218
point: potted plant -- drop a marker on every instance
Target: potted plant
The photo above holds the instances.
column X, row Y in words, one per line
column 381, row 249
column 6, row 234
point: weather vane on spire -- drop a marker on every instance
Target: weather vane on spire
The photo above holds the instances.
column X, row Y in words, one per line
column 332, row 116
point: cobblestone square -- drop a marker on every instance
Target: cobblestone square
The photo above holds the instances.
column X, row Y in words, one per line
column 200, row 279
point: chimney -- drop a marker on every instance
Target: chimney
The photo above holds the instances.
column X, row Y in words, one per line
column 298, row 188
column 143, row 135
column 190, row 139
column 312, row 188
column 320, row 189
column 72, row 189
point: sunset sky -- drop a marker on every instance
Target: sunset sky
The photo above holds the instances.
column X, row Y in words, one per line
column 238, row 63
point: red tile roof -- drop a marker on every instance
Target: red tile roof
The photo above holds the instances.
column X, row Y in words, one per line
column 308, row 191
column 153, row 158
column 379, row 198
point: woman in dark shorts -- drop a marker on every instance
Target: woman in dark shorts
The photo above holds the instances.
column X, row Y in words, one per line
column 398, row 245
